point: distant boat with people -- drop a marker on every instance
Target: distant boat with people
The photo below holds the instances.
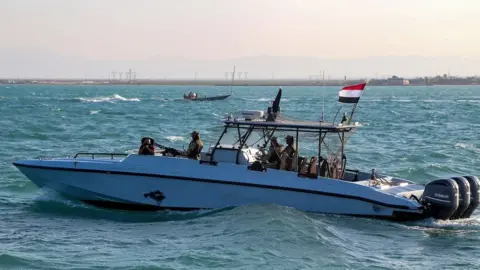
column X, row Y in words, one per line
column 195, row 97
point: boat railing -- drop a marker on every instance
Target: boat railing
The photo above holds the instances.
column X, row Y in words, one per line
column 112, row 155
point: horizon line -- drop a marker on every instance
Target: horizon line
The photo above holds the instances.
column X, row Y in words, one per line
column 380, row 77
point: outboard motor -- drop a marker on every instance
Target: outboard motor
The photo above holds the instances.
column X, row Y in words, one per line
column 474, row 195
column 441, row 198
column 463, row 198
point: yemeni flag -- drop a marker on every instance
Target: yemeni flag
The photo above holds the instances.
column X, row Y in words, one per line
column 351, row 93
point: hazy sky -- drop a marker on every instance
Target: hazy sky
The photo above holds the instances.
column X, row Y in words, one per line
column 222, row 29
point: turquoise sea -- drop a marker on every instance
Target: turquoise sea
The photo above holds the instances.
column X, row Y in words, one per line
column 418, row 133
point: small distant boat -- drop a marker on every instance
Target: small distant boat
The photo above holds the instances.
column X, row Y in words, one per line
column 194, row 97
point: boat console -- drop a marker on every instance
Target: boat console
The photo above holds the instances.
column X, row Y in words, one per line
column 228, row 153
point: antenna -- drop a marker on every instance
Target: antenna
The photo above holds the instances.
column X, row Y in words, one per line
column 323, row 95
column 233, row 78
column 323, row 105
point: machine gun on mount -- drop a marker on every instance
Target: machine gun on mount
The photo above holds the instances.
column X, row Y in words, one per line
column 168, row 150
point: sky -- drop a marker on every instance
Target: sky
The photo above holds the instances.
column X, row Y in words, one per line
column 88, row 37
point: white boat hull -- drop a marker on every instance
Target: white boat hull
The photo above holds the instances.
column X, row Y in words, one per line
column 189, row 185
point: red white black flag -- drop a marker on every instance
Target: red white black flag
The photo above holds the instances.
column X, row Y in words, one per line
column 351, row 93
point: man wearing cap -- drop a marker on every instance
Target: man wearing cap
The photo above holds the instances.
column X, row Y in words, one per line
column 195, row 146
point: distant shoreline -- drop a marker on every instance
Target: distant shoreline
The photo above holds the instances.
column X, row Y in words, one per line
column 179, row 82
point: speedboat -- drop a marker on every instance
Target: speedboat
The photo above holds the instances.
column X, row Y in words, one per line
column 231, row 174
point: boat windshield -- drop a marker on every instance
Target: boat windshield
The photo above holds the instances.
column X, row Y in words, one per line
column 332, row 144
column 232, row 138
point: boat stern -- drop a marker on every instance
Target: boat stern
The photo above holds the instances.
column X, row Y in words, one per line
column 454, row 198
column 444, row 199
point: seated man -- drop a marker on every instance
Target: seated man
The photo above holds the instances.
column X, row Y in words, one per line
column 147, row 147
column 288, row 155
column 195, row 147
column 273, row 155
column 345, row 119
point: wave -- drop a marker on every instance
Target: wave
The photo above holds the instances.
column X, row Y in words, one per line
column 437, row 100
column 95, row 112
column 175, row 138
column 469, row 100
column 8, row 260
column 466, row 146
column 115, row 97
column 265, row 99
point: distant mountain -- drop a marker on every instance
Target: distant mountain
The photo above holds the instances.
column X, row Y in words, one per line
column 52, row 65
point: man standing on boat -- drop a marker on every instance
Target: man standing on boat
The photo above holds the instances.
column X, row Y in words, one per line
column 195, row 146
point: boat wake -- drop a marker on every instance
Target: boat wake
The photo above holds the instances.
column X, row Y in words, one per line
column 443, row 227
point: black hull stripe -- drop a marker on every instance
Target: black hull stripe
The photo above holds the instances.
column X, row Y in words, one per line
column 397, row 215
column 137, row 206
column 217, row 182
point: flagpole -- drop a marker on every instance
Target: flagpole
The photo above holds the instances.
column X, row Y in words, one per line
column 353, row 110
column 323, row 97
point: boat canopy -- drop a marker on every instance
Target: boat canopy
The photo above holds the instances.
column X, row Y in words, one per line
column 328, row 138
column 292, row 125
